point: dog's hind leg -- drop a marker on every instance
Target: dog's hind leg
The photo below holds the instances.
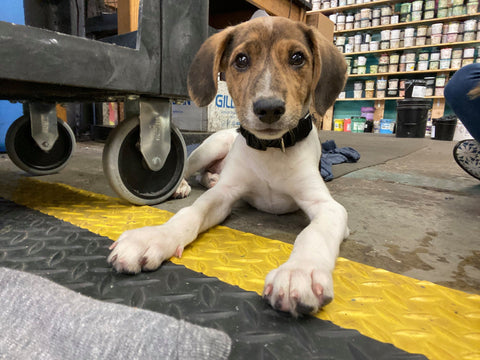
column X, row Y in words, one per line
column 208, row 159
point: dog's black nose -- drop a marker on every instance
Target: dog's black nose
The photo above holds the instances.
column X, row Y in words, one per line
column 269, row 110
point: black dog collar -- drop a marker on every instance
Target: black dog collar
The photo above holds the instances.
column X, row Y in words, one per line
column 290, row 138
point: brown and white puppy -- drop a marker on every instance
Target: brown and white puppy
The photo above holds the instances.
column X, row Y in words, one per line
column 275, row 70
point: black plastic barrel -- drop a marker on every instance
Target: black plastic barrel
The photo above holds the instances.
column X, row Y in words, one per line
column 412, row 117
column 444, row 128
column 415, row 88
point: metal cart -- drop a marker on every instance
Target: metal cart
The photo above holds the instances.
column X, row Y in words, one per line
column 144, row 157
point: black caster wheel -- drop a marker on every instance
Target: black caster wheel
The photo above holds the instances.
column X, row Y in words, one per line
column 128, row 173
column 27, row 155
column 467, row 156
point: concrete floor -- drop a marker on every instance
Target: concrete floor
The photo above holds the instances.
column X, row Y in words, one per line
column 413, row 211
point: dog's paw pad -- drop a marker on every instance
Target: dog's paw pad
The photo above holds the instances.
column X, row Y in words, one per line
column 298, row 291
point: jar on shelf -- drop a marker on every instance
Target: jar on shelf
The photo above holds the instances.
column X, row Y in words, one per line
column 370, row 85
column 466, row 62
column 445, row 64
column 442, row 12
column 446, row 53
column 410, row 66
column 384, row 59
column 392, row 68
column 410, row 56
column 366, row 13
column 429, row 5
column 417, row 5
column 458, row 10
column 440, row 80
column 472, row 7
column 469, row 52
column 430, row 85
column 422, row 30
column 374, row 45
column 458, row 53
column 434, row 64
column 381, row 84
column 469, row 36
column 423, row 55
column 436, row 39
column 382, row 69
column 470, row 25
column 422, row 65
column 456, row 63
column 386, row 10
column 416, row 15
column 405, row 9
column 437, row 28
column 420, row 40
column 384, row 45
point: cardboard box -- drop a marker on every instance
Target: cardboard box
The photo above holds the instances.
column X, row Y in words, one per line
column 188, row 116
column 221, row 111
column 219, row 114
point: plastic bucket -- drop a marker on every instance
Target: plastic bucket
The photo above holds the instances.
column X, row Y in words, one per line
column 386, row 126
column 412, row 117
column 358, row 124
column 338, row 125
column 444, row 128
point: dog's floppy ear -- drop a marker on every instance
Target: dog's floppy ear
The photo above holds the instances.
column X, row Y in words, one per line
column 330, row 70
column 203, row 73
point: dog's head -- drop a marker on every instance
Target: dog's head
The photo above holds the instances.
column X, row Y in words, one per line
column 274, row 68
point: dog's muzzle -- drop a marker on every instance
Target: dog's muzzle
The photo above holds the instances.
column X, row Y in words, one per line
column 269, row 110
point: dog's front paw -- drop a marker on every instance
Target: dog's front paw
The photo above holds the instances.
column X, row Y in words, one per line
column 182, row 191
column 298, row 289
column 143, row 249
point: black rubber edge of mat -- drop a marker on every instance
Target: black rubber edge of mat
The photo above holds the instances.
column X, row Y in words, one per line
column 76, row 258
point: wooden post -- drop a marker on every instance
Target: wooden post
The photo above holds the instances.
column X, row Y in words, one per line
column 127, row 13
column 379, row 110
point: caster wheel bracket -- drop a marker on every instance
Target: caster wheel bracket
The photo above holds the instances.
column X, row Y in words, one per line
column 155, row 117
column 44, row 124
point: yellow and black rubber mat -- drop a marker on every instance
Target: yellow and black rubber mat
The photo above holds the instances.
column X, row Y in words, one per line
column 64, row 233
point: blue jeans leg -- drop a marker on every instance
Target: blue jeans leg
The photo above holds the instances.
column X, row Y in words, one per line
column 456, row 94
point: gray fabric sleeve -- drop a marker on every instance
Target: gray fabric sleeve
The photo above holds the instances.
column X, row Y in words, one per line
column 42, row 320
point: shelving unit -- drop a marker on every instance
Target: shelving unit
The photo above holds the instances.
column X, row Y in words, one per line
column 442, row 45
column 408, row 24
column 379, row 103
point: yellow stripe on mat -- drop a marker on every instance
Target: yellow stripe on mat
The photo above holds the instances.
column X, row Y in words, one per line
column 416, row 316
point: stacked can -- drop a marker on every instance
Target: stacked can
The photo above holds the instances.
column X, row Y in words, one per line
column 440, row 82
column 406, row 12
column 456, row 8
column 423, row 60
column 383, row 63
column 381, row 87
column 392, row 90
column 369, row 88
column 357, row 89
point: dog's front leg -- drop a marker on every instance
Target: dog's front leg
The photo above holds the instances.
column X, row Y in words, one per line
column 146, row 248
column 304, row 283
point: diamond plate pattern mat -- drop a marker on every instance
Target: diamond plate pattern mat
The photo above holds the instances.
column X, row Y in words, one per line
column 76, row 258
column 417, row 316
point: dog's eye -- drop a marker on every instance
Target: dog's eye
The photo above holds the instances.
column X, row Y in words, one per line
column 297, row 59
column 241, row 62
